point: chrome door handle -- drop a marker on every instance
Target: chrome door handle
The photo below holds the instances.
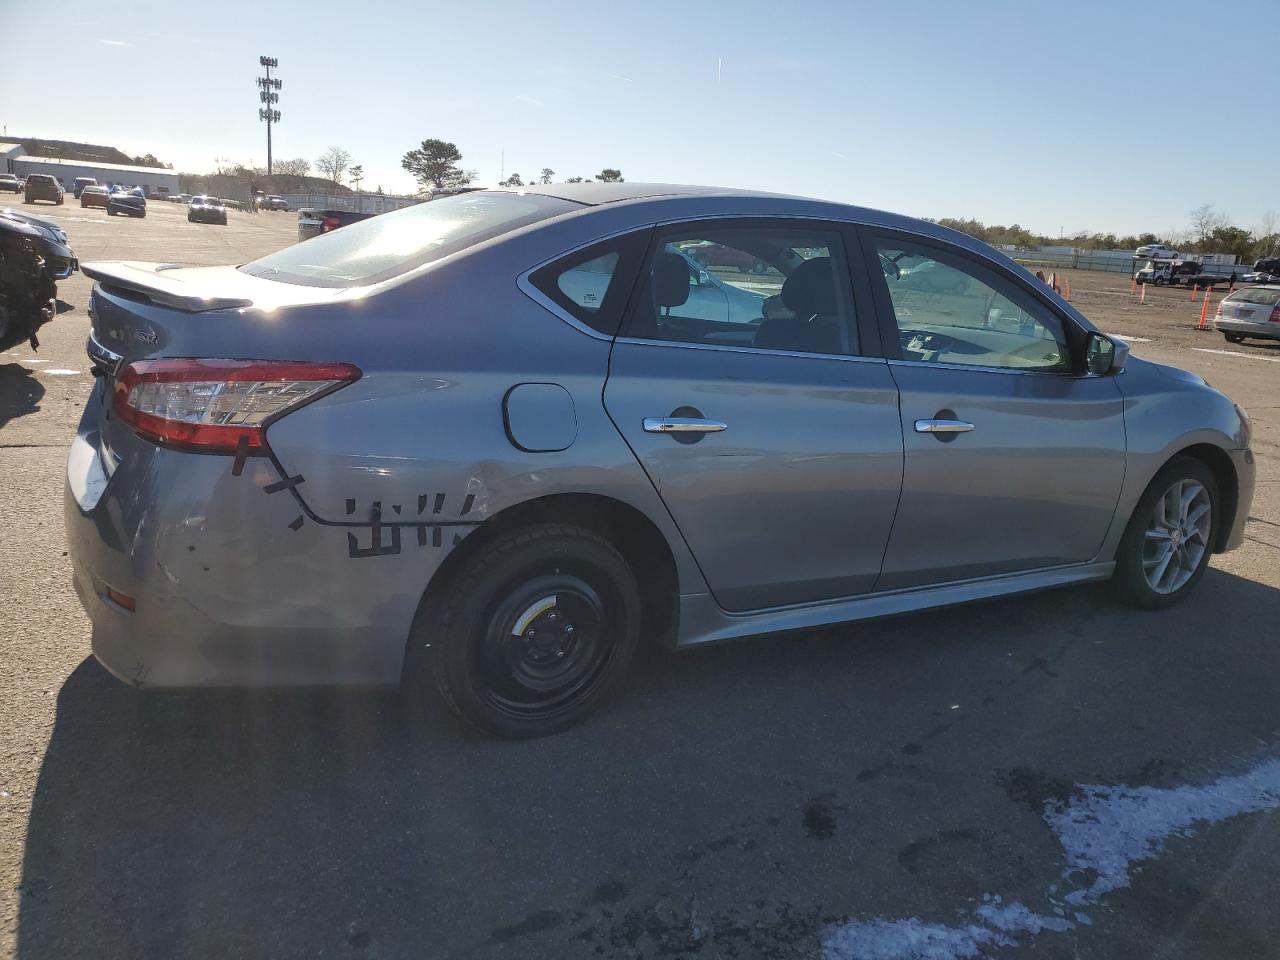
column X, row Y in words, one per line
column 682, row 425
column 943, row 426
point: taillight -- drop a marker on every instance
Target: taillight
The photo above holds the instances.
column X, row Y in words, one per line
column 1218, row 313
column 1275, row 315
column 330, row 223
column 218, row 406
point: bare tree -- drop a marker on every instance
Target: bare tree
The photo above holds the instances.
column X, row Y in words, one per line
column 1267, row 236
column 333, row 163
column 1204, row 220
column 297, row 167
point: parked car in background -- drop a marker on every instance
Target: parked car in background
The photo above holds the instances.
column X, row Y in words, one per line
column 1250, row 313
column 595, row 472
column 81, row 183
column 51, row 243
column 312, row 222
column 27, row 291
column 129, row 201
column 41, row 186
column 94, row 196
column 10, row 183
column 720, row 255
column 1157, row 251
column 1265, row 270
column 232, row 204
column 273, row 202
column 205, row 209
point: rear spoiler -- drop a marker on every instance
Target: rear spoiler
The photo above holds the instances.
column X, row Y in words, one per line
column 146, row 281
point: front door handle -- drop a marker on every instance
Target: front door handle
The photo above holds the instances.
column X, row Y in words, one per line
column 943, row 426
column 683, row 425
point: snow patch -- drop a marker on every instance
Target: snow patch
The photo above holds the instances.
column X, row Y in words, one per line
column 1104, row 831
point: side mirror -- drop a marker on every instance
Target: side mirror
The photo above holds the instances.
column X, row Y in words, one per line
column 1106, row 355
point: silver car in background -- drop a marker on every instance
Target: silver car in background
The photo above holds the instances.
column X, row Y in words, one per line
column 489, row 443
column 1250, row 312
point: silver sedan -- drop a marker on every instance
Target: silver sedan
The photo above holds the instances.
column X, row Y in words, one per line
column 488, row 444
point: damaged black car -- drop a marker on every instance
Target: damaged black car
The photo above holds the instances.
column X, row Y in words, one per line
column 27, row 289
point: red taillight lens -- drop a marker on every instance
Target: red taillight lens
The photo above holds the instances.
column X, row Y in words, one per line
column 1275, row 315
column 215, row 406
column 330, row 223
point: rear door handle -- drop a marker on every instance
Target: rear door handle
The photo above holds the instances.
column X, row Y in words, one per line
column 943, row 426
column 682, row 425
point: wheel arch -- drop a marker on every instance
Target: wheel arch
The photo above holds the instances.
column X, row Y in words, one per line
column 634, row 535
column 1224, row 474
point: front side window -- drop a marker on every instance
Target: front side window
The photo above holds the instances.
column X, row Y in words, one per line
column 766, row 287
column 952, row 311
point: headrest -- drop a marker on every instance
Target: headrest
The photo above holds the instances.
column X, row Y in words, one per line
column 811, row 289
column 670, row 280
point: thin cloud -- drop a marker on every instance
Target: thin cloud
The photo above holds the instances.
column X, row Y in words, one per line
column 113, row 43
column 525, row 98
column 618, row 76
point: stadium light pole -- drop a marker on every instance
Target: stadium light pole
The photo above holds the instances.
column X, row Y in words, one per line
column 269, row 96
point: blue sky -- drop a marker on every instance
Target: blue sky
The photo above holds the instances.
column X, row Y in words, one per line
column 1007, row 112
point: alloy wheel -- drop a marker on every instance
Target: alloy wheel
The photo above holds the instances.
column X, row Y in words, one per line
column 1177, row 536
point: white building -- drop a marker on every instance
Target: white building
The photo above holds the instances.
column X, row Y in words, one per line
column 155, row 181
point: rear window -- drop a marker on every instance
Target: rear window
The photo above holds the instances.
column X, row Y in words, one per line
column 383, row 247
column 1267, row 296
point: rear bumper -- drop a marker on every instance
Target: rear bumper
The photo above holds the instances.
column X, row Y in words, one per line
column 1260, row 331
column 227, row 593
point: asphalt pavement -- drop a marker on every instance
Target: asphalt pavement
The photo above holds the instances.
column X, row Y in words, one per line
column 1052, row 775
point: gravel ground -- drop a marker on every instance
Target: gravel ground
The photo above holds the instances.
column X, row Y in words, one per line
column 906, row 785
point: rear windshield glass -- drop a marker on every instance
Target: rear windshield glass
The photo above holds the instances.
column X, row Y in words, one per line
column 1267, row 296
column 383, row 247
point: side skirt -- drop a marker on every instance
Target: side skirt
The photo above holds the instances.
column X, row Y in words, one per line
column 703, row 621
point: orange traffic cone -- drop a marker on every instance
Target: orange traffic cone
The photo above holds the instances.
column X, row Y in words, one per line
column 1204, row 312
column 1195, row 288
column 1066, row 287
column 1133, row 285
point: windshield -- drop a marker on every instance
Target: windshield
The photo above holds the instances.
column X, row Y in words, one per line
column 386, row 246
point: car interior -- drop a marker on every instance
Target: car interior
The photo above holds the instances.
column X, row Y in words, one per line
column 791, row 303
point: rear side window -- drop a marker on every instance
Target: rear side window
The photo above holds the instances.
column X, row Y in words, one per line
column 386, row 246
column 592, row 285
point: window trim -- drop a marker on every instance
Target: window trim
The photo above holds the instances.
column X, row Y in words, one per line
column 630, row 246
column 1076, row 335
column 856, row 295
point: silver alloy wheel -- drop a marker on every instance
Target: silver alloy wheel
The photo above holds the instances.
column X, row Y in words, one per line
column 1177, row 536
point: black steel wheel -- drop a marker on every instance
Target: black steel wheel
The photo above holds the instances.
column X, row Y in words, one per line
column 532, row 633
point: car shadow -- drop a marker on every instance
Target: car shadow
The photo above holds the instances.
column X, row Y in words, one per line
column 20, row 392
column 745, row 794
column 61, row 307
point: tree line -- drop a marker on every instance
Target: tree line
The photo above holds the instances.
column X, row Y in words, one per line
column 1208, row 232
column 436, row 164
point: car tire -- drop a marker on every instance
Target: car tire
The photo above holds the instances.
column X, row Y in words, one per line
column 1143, row 577
column 1234, row 337
column 575, row 603
column 110, row 212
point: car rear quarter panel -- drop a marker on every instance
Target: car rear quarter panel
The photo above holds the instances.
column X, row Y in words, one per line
column 422, row 439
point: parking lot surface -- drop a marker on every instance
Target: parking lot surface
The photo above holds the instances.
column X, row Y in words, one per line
column 1051, row 776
